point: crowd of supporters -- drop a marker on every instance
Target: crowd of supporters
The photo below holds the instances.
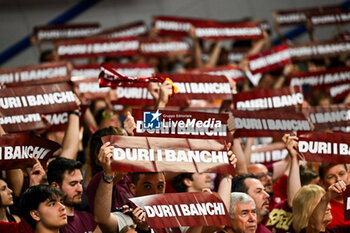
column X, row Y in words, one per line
column 80, row 189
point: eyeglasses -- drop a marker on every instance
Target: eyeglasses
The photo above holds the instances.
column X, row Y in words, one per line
column 264, row 176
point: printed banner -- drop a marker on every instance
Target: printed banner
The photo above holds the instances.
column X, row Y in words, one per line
column 268, row 153
column 181, row 124
column 175, row 26
column 37, row 99
column 318, row 50
column 89, row 89
column 325, row 147
column 346, row 198
column 183, row 209
column 97, row 47
column 230, row 71
column 18, row 150
column 22, row 123
column 218, row 30
column 328, row 117
column 164, row 46
column 189, row 86
column 130, row 69
column 109, row 77
column 138, row 28
column 339, row 92
column 332, row 17
column 69, row 31
column 320, row 78
column 135, row 95
column 157, row 154
column 59, row 120
column 51, row 72
column 268, row 98
column 201, row 86
column 265, row 123
column 299, row 16
column 272, row 59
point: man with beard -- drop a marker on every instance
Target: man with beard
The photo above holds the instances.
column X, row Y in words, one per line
column 250, row 185
column 66, row 175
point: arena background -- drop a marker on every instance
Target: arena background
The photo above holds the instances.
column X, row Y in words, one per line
column 18, row 17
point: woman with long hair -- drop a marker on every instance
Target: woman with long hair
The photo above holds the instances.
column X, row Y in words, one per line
column 6, row 200
column 312, row 211
column 304, row 202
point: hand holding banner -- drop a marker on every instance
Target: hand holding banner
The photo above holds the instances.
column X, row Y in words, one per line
column 325, row 147
column 268, row 153
column 299, row 16
column 272, row 59
column 138, row 28
column 328, row 117
column 183, row 209
column 320, row 79
column 269, row 123
column 155, row 154
column 81, row 72
column 18, row 150
column 66, row 31
column 50, row 72
column 95, row 47
column 230, row 71
column 52, row 98
column 269, row 98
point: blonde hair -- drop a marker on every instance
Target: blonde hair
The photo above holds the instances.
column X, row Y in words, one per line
column 304, row 202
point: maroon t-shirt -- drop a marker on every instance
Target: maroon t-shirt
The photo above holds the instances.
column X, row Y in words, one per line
column 262, row 229
column 281, row 218
column 16, row 227
column 81, row 222
column 120, row 196
column 280, row 189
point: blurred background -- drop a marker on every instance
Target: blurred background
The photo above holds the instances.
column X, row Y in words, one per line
column 19, row 17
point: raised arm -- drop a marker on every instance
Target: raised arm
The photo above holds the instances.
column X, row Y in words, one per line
column 15, row 180
column 293, row 183
column 71, row 139
column 70, row 144
column 248, row 148
column 103, row 198
column 316, row 221
column 2, row 131
column 224, row 189
column 197, row 51
column 241, row 159
column 214, row 56
column 37, row 173
column 165, row 91
column 129, row 124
